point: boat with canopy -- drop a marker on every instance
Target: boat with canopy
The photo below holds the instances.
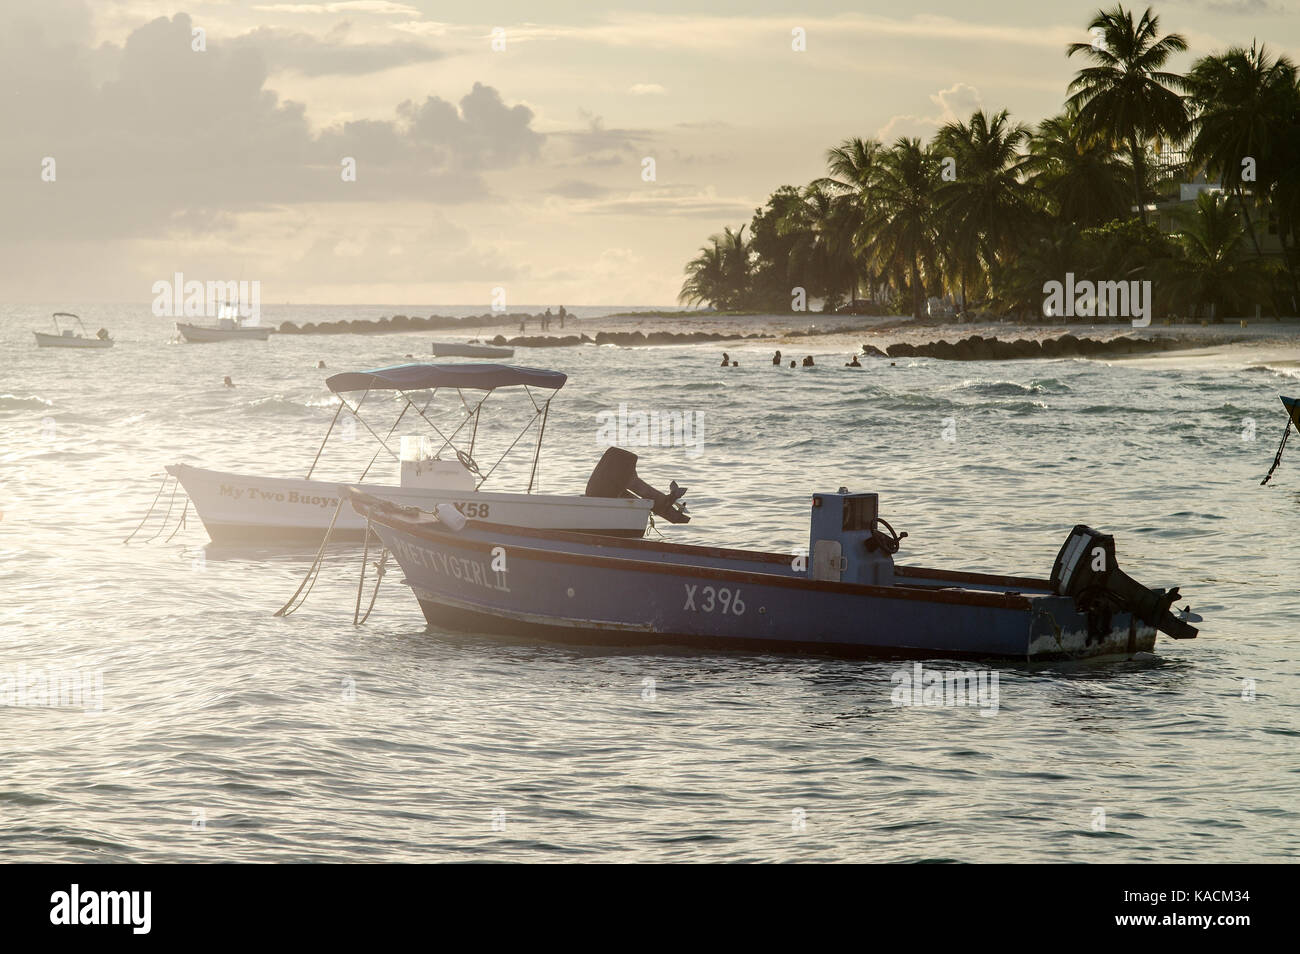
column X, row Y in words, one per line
column 230, row 326
column 65, row 337
column 435, row 468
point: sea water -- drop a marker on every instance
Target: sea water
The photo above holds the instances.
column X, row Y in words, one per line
column 169, row 716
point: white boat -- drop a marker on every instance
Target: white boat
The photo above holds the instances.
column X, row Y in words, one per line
column 230, row 326
column 65, row 337
column 249, row 508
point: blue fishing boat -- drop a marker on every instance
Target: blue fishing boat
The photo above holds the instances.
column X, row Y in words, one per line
column 847, row 596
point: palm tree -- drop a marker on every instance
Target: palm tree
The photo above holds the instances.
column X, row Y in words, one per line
column 1081, row 179
column 1211, row 268
column 772, row 244
column 1285, row 197
column 821, row 258
column 720, row 274
column 1243, row 100
column 986, row 207
column 705, row 276
column 1126, row 95
column 898, row 232
column 853, row 164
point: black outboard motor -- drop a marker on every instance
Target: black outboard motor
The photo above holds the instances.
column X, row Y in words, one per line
column 1086, row 571
column 615, row 476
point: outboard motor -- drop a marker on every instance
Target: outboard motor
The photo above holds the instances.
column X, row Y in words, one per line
column 615, row 476
column 1086, row 571
column 846, row 542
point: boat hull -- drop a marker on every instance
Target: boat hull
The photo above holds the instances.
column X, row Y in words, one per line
column 198, row 334
column 243, row 509
column 1292, row 406
column 550, row 586
column 44, row 340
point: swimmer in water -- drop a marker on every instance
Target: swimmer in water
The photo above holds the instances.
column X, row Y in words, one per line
column 808, row 362
column 320, row 364
column 726, row 359
column 854, row 363
column 776, row 358
column 792, row 364
column 228, row 383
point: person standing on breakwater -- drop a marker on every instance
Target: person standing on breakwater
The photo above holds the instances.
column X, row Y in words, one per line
column 546, row 320
column 776, row 358
column 563, row 315
column 523, row 325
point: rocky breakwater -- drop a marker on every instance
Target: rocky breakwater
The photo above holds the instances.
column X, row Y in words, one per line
column 397, row 323
column 976, row 348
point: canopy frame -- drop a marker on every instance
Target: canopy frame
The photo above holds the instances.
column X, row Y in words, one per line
column 58, row 332
column 473, row 414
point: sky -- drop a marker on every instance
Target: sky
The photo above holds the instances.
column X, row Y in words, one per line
column 495, row 144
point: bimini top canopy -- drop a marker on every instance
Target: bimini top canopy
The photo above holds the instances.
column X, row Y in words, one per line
column 419, row 377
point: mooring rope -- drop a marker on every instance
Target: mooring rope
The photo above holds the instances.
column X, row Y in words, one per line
column 313, row 572
column 171, row 502
column 149, row 512
column 380, row 568
column 180, row 524
column 1278, row 459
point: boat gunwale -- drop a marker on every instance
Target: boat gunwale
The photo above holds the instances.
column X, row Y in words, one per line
column 503, row 496
column 430, row 529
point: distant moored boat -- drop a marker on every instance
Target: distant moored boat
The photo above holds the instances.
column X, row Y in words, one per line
column 229, row 327
column 65, row 337
column 450, row 349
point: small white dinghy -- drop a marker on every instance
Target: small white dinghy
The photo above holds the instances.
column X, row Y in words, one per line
column 253, row 509
column 65, row 337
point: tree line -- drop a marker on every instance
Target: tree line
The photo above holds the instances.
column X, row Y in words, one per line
column 990, row 209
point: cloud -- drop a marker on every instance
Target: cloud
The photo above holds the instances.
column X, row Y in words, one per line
column 956, row 102
column 483, row 133
column 437, row 254
column 423, row 27
column 741, row 35
column 1244, row 7
column 176, row 138
column 577, row 189
column 670, row 200
column 647, row 89
column 313, row 56
column 597, row 145
column 380, row 7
